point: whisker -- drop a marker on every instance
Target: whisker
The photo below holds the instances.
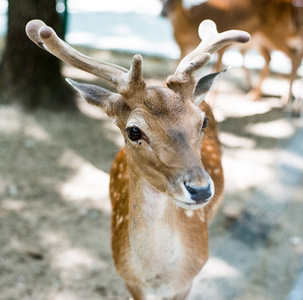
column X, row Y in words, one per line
column 211, row 108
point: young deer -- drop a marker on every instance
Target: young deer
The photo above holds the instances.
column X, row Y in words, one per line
column 272, row 24
column 163, row 195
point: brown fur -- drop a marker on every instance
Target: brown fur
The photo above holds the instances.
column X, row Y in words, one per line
column 193, row 229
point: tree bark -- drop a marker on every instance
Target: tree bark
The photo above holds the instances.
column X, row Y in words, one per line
column 28, row 75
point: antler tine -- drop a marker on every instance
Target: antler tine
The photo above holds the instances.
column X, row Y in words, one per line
column 211, row 42
column 46, row 38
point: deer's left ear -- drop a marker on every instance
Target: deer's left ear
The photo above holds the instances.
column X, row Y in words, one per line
column 204, row 85
column 98, row 96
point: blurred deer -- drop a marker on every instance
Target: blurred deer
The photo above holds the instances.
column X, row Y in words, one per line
column 272, row 24
column 163, row 195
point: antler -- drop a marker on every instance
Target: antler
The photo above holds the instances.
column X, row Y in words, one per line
column 46, row 38
column 211, row 42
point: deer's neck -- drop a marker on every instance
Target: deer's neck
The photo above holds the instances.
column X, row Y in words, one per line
column 153, row 226
column 184, row 33
column 179, row 17
column 177, row 12
column 160, row 235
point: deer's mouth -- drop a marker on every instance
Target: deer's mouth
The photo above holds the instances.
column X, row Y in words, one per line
column 191, row 205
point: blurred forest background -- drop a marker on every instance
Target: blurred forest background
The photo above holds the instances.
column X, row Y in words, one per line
column 56, row 152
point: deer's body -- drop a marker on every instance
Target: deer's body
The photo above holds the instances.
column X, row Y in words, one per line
column 149, row 220
column 148, row 248
column 273, row 24
column 227, row 14
column 167, row 184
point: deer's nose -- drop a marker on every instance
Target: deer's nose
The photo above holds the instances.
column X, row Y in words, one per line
column 200, row 194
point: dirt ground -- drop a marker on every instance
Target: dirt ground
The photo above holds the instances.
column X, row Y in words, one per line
column 55, row 209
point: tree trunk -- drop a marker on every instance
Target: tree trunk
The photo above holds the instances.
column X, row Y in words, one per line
column 28, row 75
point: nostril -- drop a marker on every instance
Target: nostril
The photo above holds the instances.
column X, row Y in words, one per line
column 191, row 190
column 199, row 194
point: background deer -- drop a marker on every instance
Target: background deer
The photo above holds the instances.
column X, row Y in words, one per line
column 163, row 195
column 273, row 25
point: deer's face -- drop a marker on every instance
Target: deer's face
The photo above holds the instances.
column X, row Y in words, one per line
column 163, row 137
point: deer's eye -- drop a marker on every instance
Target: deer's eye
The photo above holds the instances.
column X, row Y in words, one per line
column 205, row 122
column 134, row 133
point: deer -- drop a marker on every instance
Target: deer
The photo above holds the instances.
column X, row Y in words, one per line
column 271, row 23
column 167, row 183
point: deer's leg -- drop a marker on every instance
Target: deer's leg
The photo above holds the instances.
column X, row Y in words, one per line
column 296, row 59
column 218, row 64
column 293, row 54
column 256, row 92
column 136, row 292
column 182, row 295
column 217, row 67
column 247, row 72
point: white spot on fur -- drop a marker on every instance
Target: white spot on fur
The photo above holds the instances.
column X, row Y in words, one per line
column 189, row 213
column 120, row 221
column 217, row 171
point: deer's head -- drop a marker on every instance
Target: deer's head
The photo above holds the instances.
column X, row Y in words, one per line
column 163, row 127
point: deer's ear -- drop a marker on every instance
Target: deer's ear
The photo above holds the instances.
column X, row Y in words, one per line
column 205, row 84
column 98, row 96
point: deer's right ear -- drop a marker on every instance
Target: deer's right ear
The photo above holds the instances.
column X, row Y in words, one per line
column 205, row 84
column 98, row 96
